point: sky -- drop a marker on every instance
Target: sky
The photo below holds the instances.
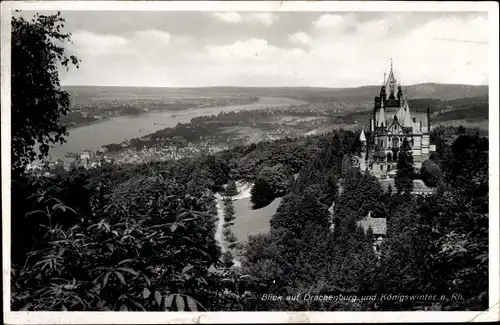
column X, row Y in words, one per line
column 315, row 49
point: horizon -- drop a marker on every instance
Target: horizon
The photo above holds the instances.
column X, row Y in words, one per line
column 317, row 87
column 191, row 49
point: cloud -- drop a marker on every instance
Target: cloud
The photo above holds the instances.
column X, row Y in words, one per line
column 228, row 17
column 144, row 48
column 330, row 50
column 95, row 44
column 241, row 50
column 253, row 50
column 153, row 35
column 375, row 29
column 300, row 38
column 264, row 18
column 328, row 21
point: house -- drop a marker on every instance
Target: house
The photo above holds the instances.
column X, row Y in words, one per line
column 419, row 188
column 70, row 160
column 86, row 156
column 378, row 227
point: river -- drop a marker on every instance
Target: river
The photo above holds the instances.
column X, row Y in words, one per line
column 117, row 129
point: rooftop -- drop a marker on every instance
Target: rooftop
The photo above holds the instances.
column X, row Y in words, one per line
column 378, row 225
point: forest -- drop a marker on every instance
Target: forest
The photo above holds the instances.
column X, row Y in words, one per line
column 141, row 237
column 136, row 237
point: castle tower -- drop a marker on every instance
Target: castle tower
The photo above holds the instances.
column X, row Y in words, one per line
column 386, row 135
column 380, row 115
column 391, row 84
column 362, row 138
column 394, row 91
column 362, row 157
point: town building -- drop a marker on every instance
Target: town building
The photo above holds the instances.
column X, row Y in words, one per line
column 70, row 160
column 378, row 227
column 391, row 122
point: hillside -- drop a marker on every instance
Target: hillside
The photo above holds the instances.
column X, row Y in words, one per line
column 471, row 109
column 142, row 237
column 310, row 94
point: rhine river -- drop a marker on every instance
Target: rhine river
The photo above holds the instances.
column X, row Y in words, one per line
column 118, row 129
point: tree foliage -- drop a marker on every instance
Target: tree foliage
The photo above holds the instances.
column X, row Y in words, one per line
column 38, row 102
column 431, row 174
column 296, row 212
column 272, row 182
column 144, row 235
column 231, row 189
column 405, row 174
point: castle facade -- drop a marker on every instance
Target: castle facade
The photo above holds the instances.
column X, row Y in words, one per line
column 392, row 122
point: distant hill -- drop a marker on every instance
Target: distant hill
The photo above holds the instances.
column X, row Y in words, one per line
column 467, row 109
column 359, row 95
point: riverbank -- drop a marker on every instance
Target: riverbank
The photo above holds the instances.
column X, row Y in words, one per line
column 119, row 129
column 161, row 110
column 74, row 126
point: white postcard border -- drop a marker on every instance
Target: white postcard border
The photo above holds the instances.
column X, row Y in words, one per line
column 252, row 317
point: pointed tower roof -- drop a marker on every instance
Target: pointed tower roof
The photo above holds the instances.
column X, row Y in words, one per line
column 407, row 121
column 362, row 136
column 391, row 83
column 380, row 117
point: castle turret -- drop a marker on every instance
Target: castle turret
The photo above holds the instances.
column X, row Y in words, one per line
column 393, row 90
column 391, row 84
column 362, row 137
column 380, row 115
column 428, row 119
column 407, row 120
column 400, row 93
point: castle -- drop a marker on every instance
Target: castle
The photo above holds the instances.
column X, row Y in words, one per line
column 392, row 122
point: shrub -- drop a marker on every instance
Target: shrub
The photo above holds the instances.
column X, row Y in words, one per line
column 431, row 174
column 145, row 245
column 269, row 184
column 227, row 259
column 231, row 189
column 405, row 173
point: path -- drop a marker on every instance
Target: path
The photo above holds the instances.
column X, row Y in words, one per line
column 219, row 237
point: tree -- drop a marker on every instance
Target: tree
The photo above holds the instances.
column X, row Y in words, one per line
column 38, row 102
column 362, row 193
column 228, row 210
column 296, row 212
column 405, row 174
column 269, row 184
column 468, row 163
column 231, row 189
column 227, row 259
column 430, row 173
column 346, row 165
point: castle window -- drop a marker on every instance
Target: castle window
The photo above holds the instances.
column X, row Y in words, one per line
column 395, row 142
column 381, row 167
column 389, row 157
